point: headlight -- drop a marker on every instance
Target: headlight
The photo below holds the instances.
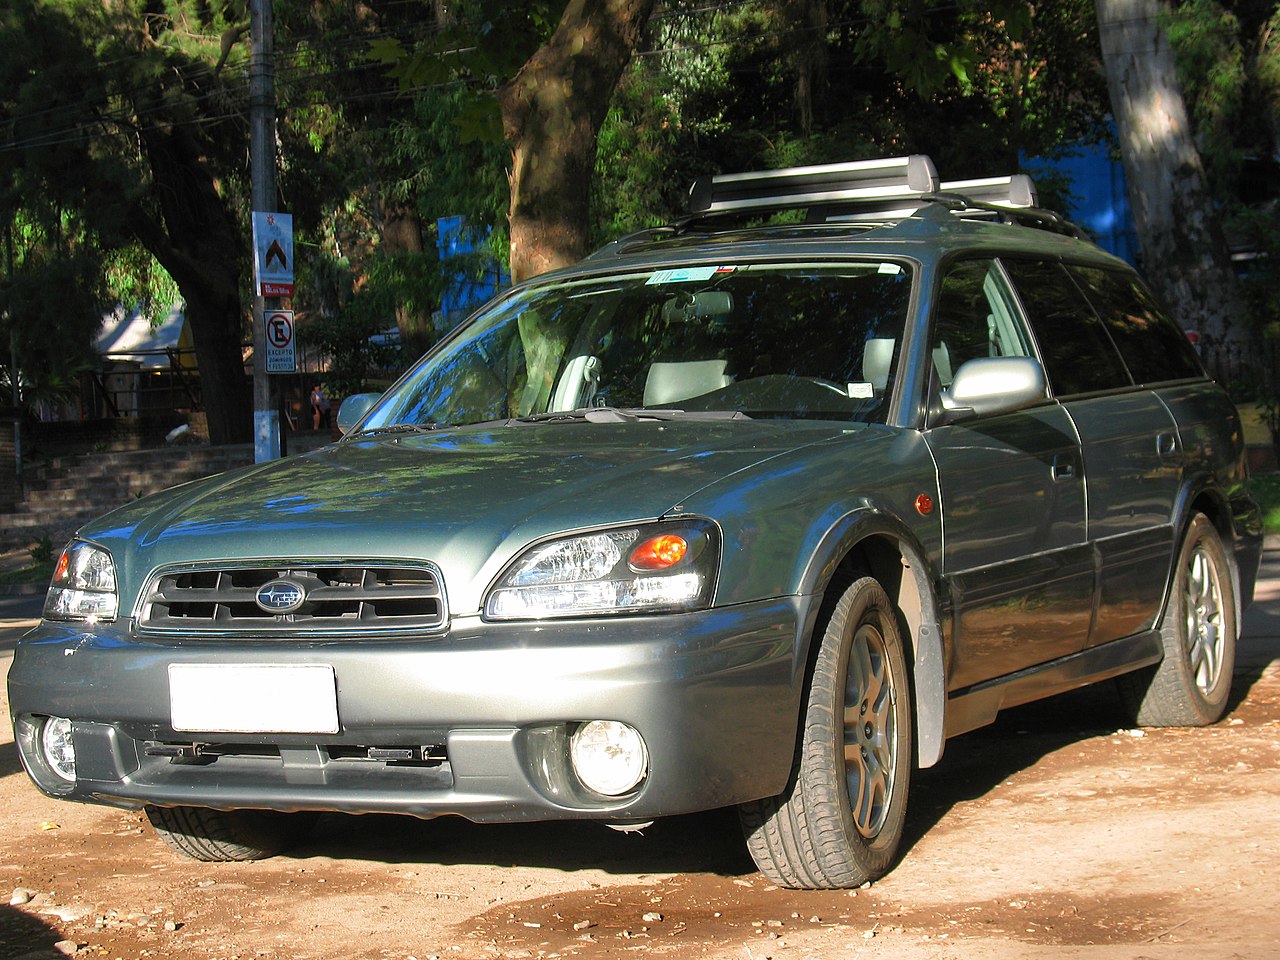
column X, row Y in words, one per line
column 84, row 585
column 651, row 568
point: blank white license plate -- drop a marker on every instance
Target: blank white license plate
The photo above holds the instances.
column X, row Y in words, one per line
column 253, row 698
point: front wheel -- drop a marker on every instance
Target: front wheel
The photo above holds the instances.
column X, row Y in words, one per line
column 228, row 835
column 1189, row 687
column 839, row 822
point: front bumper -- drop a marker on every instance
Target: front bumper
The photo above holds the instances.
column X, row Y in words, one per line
column 715, row 695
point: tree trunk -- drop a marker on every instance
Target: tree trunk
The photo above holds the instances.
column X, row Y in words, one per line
column 202, row 249
column 401, row 230
column 1184, row 250
column 806, row 20
column 552, row 111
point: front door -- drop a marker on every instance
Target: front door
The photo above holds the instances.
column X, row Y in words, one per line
column 1015, row 554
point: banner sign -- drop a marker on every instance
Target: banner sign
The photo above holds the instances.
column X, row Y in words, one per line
column 273, row 253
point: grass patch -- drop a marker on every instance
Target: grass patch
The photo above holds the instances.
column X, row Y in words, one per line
column 1266, row 490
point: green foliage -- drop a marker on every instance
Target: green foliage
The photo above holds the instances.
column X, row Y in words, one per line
column 346, row 338
column 55, row 302
column 1265, row 488
column 388, row 121
column 132, row 275
column 1228, row 58
column 41, row 549
column 1207, row 44
column 723, row 88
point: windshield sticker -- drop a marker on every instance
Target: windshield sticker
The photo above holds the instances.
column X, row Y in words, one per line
column 890, row 268
column 686, row 275
column 861, row 391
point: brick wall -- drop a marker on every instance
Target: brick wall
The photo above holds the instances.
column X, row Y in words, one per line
column 57, row 438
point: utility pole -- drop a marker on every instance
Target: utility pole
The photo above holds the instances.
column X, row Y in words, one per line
column 262, row 163
column 15, row 381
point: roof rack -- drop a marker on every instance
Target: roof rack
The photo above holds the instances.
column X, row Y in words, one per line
column 866, row 192
column 899, row 177
column 869, row 191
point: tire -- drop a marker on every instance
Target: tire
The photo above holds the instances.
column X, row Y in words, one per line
column 227, row 835
column 839, row 822
column 1190, row 686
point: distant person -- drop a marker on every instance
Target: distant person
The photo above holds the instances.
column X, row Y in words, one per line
column 319, row 408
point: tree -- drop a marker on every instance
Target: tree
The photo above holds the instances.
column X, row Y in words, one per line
column 1184, row 249
column 552, row 110
column 121, row 113
column 552, row 89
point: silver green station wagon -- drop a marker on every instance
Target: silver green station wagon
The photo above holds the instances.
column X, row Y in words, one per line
column 751, row 510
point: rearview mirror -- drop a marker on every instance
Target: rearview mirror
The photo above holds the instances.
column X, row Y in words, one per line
column 712, row 305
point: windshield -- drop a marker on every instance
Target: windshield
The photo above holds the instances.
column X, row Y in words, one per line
column 765, row 340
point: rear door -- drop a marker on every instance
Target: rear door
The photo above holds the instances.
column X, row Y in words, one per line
column 1129, row 440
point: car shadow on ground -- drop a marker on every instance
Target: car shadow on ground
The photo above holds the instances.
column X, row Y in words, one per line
column 22, row 935
column 712, row 842
column 972, row 766
column 9, row 762
column 977, row 762
column 698, row 843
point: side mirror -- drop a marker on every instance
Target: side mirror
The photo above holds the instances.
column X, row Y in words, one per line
column 991, row 385
column 354, row 408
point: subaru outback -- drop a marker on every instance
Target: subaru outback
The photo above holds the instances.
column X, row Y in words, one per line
column 755, row 510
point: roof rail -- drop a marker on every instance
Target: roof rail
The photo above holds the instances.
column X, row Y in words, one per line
column 900, row 177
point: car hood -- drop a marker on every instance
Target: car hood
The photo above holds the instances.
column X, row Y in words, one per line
column 468, row 500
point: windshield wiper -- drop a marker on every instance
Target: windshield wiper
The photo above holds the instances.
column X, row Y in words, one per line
column 391, row 429
column 626, row 415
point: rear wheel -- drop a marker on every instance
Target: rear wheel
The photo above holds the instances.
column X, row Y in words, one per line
column 839, row 822
column 226, row 835
column 1189, row 687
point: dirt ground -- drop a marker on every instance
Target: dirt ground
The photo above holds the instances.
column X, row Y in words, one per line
column 1058, row 832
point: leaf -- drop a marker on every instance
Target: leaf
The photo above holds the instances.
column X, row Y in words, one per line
column 480, row 121
column 387, row 50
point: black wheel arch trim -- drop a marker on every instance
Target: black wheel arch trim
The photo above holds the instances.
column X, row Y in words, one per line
column 916, row 596
column 1237, row 543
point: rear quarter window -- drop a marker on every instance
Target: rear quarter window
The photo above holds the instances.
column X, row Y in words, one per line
column 1154, row 348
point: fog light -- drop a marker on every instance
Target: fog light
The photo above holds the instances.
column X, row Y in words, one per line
column 55, row 743
column 609, row 757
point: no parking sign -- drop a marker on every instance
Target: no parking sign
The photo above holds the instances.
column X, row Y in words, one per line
column 280, row 355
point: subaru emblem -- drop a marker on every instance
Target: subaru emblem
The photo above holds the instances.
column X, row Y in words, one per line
column 281, row 596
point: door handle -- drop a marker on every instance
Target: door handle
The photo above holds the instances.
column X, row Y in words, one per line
column 1064, row 467
column 1166, row 444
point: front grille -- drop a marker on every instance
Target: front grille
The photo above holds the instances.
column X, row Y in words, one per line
column 337, row 598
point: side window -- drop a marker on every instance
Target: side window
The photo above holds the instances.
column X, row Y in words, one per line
column 1078, row 355
column 974, row 317
column 1154, row 348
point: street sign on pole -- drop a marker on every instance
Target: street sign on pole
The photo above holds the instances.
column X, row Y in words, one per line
column 281, row 356
column 273, row 253
column 268, row 441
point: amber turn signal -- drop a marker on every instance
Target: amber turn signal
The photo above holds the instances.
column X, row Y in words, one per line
column 659, row 553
